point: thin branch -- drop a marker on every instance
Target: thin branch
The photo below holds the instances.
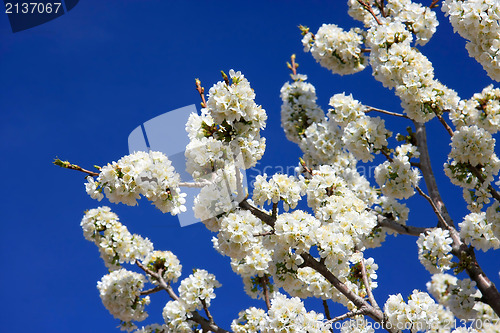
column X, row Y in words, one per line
column 293, row 66
column 371, row 108
column 263, row 282
column 434, row 4
column 364, row 275
column 151, row 291
column 209, row 315
column 434, row 207
column 349, row 314
column 399, row 228
column 327, row 310
column 194, row 184
column 67, row 165
column 445, row 124
column 428, row 174
column 369, row 8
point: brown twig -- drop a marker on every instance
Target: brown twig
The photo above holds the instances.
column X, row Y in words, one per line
column 67, row 165
column 201, row 91
column 369, row 9
column 151, row 291
column 445, row 124
column 434, row 4
column 263, row 282
column 205, row 307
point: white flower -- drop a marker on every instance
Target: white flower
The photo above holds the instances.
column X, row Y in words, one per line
column 165, row 261
column 397, row 178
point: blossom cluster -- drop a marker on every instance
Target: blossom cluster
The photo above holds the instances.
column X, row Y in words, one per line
column 473, row 147
column 397, row 178
column 239, row 239
column 279, row 187
column 285, row 315
column 482, row 110
column 149, row 174
column 458, row 295
column 116, row 244
column 120, row 293
column 398, row 65
column 165, row 262
column 477, row 229
column 419, row 19
column 434, row 249
column 478, row 22
column 229, row 124
column 335, row 49
column 299, row 109
column 420, row 313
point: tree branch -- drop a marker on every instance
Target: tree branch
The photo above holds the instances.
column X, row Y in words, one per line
column 369, row 9
column 475, row 171
column 327, row 310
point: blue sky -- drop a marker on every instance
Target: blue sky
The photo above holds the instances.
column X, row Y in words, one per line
column 77, row 86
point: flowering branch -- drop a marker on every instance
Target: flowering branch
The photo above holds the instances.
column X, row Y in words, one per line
column 375, row 313
column 459, row 249
column 206, row 325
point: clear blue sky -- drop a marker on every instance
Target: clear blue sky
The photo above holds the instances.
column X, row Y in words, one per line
column 77, row 86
